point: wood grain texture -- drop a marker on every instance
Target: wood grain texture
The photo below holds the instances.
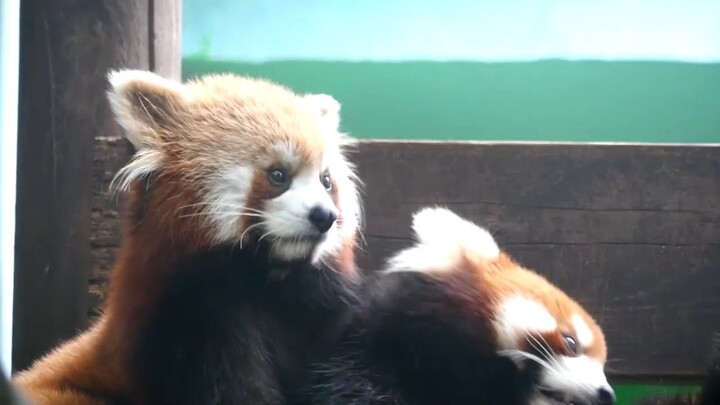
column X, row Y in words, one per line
column 633, row 232
column 166, row 37
column 67, row 49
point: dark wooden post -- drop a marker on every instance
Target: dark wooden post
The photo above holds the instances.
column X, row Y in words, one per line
column 67, row 48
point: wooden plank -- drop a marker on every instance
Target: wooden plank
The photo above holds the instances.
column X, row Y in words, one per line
column 632, row 231
column 165, row 40
column 66, row 51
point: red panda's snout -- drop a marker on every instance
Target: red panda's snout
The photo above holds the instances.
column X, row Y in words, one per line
column 303, row 217
column 568, row 372
column 538, row 324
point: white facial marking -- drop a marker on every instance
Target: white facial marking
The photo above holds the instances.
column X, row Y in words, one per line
column 578, row 378
column 348, row 202
column 284, row 221
column 539, row 399
column 287, row 155
column 224, row 204
column 518, row 316
column 443, row 238
column 582, row 330
column 288, row 216
column 291, row 250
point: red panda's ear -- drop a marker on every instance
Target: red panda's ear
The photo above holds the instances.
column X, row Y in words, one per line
column 444, row 231
column 326, row 108
column 145, row 105
column 443, row 241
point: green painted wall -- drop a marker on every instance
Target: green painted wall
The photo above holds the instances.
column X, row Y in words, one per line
column 546, row 100
column 540, row 101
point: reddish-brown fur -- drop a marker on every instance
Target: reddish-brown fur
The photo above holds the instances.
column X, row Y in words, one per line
column 165, row 227
column 503, row 277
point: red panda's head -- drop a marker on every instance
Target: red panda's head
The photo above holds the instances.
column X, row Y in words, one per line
column 241, row 161
column 533, row 321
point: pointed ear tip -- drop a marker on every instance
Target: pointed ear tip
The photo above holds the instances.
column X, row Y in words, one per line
column 326, row 102
column 120, row 79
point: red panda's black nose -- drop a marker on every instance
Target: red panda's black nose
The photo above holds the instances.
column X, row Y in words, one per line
column 605, row 396
column 322, row 218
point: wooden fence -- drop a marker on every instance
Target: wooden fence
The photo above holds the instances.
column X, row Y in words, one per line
column 631, row 231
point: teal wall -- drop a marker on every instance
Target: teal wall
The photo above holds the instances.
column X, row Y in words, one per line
column 540, row 101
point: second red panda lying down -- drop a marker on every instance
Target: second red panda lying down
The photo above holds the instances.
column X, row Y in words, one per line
column 455, row 320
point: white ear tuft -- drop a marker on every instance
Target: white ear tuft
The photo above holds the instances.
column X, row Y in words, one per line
column 326, row 108
column 443, row 237
column 439, row 227
column 120, row 80
column 145, row 105
column 142, row 102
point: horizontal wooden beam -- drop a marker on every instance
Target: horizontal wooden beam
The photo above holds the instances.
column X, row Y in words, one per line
column 631, row 231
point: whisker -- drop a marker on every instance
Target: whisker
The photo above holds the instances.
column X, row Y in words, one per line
column 547, row 350
column 255, row 210
column 242, row 236
column 538, row 346
column 551, row 358
column 219, row 204
column 521, row 354
column 219, row 214
column 268, row 233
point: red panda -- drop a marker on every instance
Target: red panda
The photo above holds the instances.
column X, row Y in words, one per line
column 238, row 250
column 709, row 393
column 455, row 320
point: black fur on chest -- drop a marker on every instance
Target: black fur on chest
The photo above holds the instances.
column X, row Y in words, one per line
column 413, row 343
column 225, row 333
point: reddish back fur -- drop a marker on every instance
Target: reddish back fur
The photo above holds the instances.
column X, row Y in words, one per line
column 164, row 227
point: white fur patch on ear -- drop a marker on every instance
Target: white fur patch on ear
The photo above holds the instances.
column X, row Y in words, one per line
column 443, row 237
column 127, row 106
column 327, row 109
column 518, row 316
column 121, row 79
column 138, row 99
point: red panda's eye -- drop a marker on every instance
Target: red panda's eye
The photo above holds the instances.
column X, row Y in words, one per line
column 326, row 182
column 277, row 177
column 571, row 345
